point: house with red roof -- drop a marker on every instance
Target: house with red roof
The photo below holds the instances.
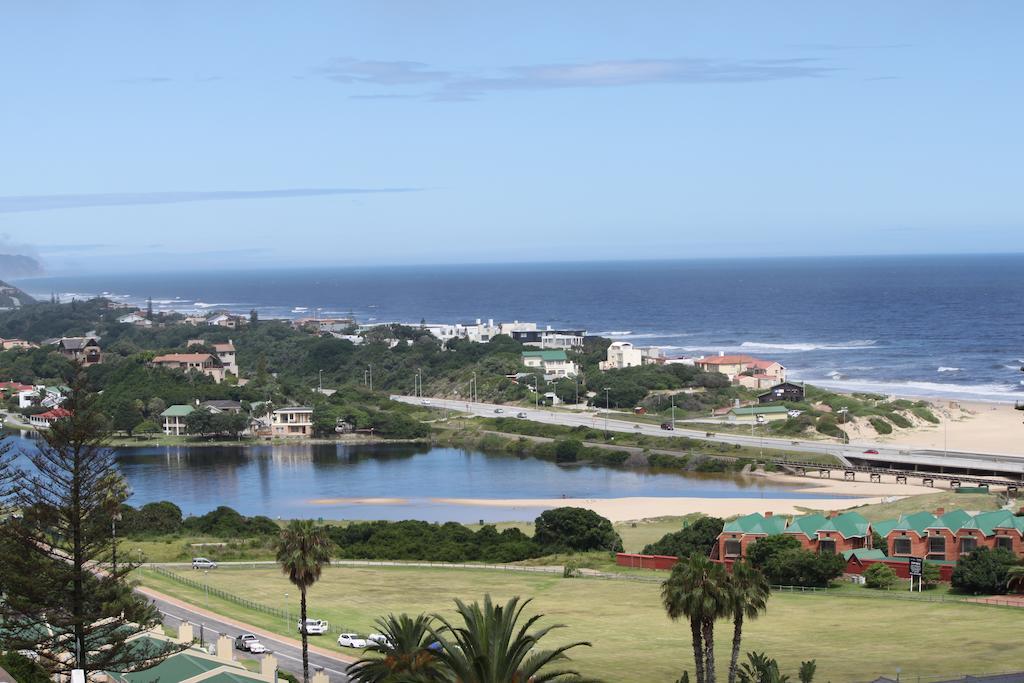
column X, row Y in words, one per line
column 747, row 371
column 44, row 420
column 205, row 363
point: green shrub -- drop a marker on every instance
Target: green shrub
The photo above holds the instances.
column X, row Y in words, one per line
column 569, row 529
column 699, row 537
column 983, row 571
column 924, row 413
column 827, row 425
column 899, row 420
column 567, row 450
column 879, row 575
column 880, row 425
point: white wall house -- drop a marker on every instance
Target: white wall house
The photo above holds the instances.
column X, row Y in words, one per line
column 292, row 422
column 554, row 363
column 622, row 355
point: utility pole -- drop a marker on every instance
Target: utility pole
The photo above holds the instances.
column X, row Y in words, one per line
column 673, row 411
column 320, row 380
column 371, row 376
column 475, row 392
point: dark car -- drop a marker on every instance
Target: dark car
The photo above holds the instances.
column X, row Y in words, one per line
column 668, row 425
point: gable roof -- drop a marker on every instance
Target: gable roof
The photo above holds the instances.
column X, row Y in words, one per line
column 807, row 525
column 178, row 411
column 917, row 522
column 865, row 554
column 952, row 520
column 986, row 522
column 759, row 410
column 848, row 525
column 726, row 360
column 756, row 523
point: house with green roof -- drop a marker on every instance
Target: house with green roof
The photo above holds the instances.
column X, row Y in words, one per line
column 946, row 536
column 739, row 533
column 174, row 419
column 553, row 362
column 197, row 665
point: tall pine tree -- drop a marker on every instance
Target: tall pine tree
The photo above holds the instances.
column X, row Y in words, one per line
column 63, row 598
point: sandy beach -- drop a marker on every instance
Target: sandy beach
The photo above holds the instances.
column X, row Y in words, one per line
column 625, row 509
column 974, row 426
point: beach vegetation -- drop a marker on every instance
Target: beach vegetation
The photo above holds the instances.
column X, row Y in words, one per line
column 698, row 537
column 571, row 529
column 880, row 425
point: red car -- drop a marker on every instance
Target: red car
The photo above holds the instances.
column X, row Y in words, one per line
column 871, row 451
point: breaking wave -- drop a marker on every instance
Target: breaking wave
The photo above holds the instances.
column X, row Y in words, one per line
column 810, row 346
column 943, row 368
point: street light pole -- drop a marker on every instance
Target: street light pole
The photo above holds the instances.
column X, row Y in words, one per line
column 320, row 380
column 673, row 411
column 371, row 376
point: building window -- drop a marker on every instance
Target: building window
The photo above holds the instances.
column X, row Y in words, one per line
column 968, row 544
column 901, row 546
column 1004, row 542
column 733, row 548
column 827, row 547
column 937, row 546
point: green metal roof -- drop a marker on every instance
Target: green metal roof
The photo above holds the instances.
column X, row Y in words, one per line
column 988, row 521
column 807, row 525
column 760, row 410
column 757, row 523
column 178, row 411
column 174, row 669
column 918, row 521
column 884, row 527
column 848, row 524
column 952, row 520
column 549, row 355
column 865, row 554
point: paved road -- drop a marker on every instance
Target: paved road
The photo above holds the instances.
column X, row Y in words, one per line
column 1007, row 464
column 289, row 654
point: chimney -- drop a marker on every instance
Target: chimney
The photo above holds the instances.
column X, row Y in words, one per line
column 268, row 668
column 320, row 676
column 768, row 514
column 185, row 634
column 721, row 353
column 832, row 514
column 224, row 649
column 940, row 511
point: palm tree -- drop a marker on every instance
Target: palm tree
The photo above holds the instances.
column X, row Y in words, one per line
column 492, row 646
column 748, row 592
column 302, row 551
column 1015, row 578
column 115, row 492
column 405, row 653
column 696, row 590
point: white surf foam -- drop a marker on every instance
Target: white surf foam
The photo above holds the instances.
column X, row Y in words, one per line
column 810, row 346
column 943, row 368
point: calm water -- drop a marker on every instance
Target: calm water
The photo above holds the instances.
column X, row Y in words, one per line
column 942, row 325
column 285, row 480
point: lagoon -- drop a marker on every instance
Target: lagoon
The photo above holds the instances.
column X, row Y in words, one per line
column 287, row 481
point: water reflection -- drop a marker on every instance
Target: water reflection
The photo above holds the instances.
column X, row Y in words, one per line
column 286, row 480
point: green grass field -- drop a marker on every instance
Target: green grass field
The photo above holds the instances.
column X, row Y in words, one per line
column 853, row 638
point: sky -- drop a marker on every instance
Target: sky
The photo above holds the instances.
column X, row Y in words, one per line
column 157, row 136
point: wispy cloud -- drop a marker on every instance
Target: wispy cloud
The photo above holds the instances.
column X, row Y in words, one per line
column 382, row 73
column 448, row 85
column 829, row 47
column 48, row 202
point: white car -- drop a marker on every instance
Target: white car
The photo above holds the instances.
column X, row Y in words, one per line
column 795, row 413
column 351, row 640
column 257, row 648
column 314, row 627
column 380, row 639
column 203, row 563
column 424, row 402
column 499, row 411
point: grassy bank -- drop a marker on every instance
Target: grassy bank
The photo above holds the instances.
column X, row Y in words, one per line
column 632, row 638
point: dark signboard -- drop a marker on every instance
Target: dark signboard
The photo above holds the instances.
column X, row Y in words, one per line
column 916, row 566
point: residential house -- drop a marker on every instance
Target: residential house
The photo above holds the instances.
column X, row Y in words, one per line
column 195, row 664
column 43, row 420
column 174, row 419
column 136, row 319
column 747, row 371
column 620, row 355
column 786, row 391
column 946, row 536
column 8, row 344
column 12, row 388
column 222, row 406
column 225, row 320
column 205, row 363
column 548, row 338
column 554, row 363
column 758, row 413
column 296, row 421
column 84, row 350
column 226, row 356
column 47, row 397
column 834, row 533
column 323, row 325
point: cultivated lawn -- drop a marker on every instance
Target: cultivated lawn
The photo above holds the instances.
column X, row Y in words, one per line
column 853, row 638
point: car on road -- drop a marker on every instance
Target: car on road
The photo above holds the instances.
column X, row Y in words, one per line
column 636, row 426
column 521, row 416
column 794, row 413
column 424, row 402
column 314, row 627
column 499, row 411
column 203, row 563
column 668, row 426
column 871, row 451
column 351, row 640
column 258, row 648
column 245, row 641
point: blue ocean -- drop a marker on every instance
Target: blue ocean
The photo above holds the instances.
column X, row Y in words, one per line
column 949, row 326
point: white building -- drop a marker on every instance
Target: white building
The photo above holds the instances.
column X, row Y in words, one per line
column 622, row 355
column 554, row 363
column 135, row 319
column 292, row 422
